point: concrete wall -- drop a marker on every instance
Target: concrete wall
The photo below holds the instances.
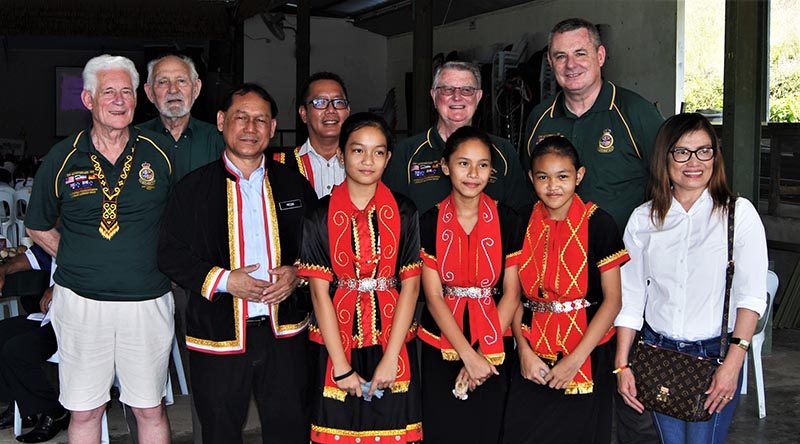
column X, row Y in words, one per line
column 357, row 55
column 641, row 42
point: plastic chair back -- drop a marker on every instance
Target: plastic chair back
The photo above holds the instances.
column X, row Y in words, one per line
column 772, row 288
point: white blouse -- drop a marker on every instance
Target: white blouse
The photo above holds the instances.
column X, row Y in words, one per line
column 676, row 277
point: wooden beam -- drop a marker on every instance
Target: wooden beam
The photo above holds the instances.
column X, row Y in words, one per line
column 423, row 65
column 303, row 70
column 745, row 54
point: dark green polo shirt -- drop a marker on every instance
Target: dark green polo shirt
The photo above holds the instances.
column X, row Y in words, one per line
column 200, row 144
column 67, row 188
column 614, row 140
column 415, row 171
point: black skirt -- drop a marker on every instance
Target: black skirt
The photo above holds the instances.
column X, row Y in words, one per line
column 476, row 420
column 394, row 418
column 537, row 414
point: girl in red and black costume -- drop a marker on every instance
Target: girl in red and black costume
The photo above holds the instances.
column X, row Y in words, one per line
column 361, row 254
column 470, row 248
column 569, row 271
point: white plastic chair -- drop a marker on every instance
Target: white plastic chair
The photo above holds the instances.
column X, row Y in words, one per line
column 13, row 307
column 757, row 343
column 7, row 216
column 168, row 395
column 21, row 198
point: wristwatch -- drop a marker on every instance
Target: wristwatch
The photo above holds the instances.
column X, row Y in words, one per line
column 741, row 343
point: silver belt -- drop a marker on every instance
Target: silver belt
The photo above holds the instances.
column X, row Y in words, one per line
column 469, row 292
column 367, row 285
column 555, row 306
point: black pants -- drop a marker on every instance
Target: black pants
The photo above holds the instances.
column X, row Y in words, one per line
column 24, row 348
column 275, row 371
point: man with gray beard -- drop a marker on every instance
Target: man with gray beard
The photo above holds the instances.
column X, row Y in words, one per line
column 172, row 86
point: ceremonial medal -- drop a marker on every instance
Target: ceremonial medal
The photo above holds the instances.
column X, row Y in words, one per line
column 606, row 142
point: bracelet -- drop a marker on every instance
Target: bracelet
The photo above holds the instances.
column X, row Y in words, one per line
column 621, row 368
column 344, row 375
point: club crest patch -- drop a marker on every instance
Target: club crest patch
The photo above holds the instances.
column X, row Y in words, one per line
column 147, row 177
column 606, row 142
column 425, row 171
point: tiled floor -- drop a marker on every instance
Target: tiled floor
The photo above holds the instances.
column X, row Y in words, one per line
column 781, row 426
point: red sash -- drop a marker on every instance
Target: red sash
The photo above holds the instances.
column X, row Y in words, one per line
column 470, row 260
column 356, row 254
column 554, row 268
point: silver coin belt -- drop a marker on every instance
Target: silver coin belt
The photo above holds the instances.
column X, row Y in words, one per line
column 555, row 306
column 469, row 292
column 367, row 285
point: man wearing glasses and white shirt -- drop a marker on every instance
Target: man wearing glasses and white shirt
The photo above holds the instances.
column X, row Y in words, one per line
column 325, row 107
column 415, row 169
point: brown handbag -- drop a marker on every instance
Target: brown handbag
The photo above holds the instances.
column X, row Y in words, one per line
column 674, row 383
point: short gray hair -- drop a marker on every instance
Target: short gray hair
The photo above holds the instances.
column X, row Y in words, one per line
column 107, row 62
column 458, row 66
column 185, row 59
column 572, row 24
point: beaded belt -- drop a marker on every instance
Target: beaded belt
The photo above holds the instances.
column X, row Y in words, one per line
column 367, row 285
column 555, row 306
column 469, row 292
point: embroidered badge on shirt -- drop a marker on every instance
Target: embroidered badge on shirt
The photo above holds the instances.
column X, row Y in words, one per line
column 425, row 171
column 541, row 137
column 147, row 177
column 81, row 183
column 606, row 142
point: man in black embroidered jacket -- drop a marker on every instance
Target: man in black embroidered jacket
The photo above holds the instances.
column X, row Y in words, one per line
column 231, row 234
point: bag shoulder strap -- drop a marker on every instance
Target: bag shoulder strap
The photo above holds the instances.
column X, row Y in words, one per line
column 728, row 281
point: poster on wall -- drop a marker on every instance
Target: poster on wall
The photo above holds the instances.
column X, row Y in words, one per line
column 71, row 115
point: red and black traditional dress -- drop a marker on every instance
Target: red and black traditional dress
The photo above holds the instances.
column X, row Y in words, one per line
column 560, row 272
column 471, row 267
column 365, row 254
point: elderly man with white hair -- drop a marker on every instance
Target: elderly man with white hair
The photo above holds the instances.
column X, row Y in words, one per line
column 172, row 86
column 113, row 309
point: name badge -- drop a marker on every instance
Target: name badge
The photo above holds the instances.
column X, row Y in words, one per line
column 290, row 204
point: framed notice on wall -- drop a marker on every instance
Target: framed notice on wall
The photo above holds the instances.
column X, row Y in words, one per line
column 71, row 115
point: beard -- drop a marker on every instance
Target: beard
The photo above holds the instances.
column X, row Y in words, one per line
column 176, row 110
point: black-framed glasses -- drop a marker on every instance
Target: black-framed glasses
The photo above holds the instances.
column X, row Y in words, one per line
column 322, row 103
column 682, row 155
column 450, row 90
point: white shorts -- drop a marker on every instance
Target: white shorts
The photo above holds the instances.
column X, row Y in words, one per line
column 98, row 339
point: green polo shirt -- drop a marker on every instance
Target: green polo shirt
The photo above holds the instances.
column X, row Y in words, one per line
column 67, row 188
column 415, row 171
column 200, row 144
column 614, row 140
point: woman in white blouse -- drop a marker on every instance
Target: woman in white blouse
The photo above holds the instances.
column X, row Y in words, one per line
column 673, row 288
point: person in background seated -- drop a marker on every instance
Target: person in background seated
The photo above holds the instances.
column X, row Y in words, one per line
column 26, row 342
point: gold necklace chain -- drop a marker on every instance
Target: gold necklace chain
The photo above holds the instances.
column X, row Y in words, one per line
column 109, row 225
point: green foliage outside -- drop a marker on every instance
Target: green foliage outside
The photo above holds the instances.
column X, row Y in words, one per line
column 705, row 49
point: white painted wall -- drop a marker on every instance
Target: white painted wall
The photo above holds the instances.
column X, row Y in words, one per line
column 357, row 55
column 641, row 42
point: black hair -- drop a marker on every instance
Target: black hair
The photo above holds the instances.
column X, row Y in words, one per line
column 462, row 135
column 322, row 75
column 558, row 145
column 246, row 88
column 364, row 119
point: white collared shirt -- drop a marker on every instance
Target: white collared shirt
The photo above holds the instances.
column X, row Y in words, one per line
column 676, row 277
column 327, row 173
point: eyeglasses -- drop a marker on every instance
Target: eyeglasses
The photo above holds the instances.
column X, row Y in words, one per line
column 322, row 103
column 682, row 155
column 448, row 91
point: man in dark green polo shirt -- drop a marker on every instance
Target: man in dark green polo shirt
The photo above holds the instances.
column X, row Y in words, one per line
column 415, row 169
column 172, row 86
column 112, row 307
column 612, row 128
